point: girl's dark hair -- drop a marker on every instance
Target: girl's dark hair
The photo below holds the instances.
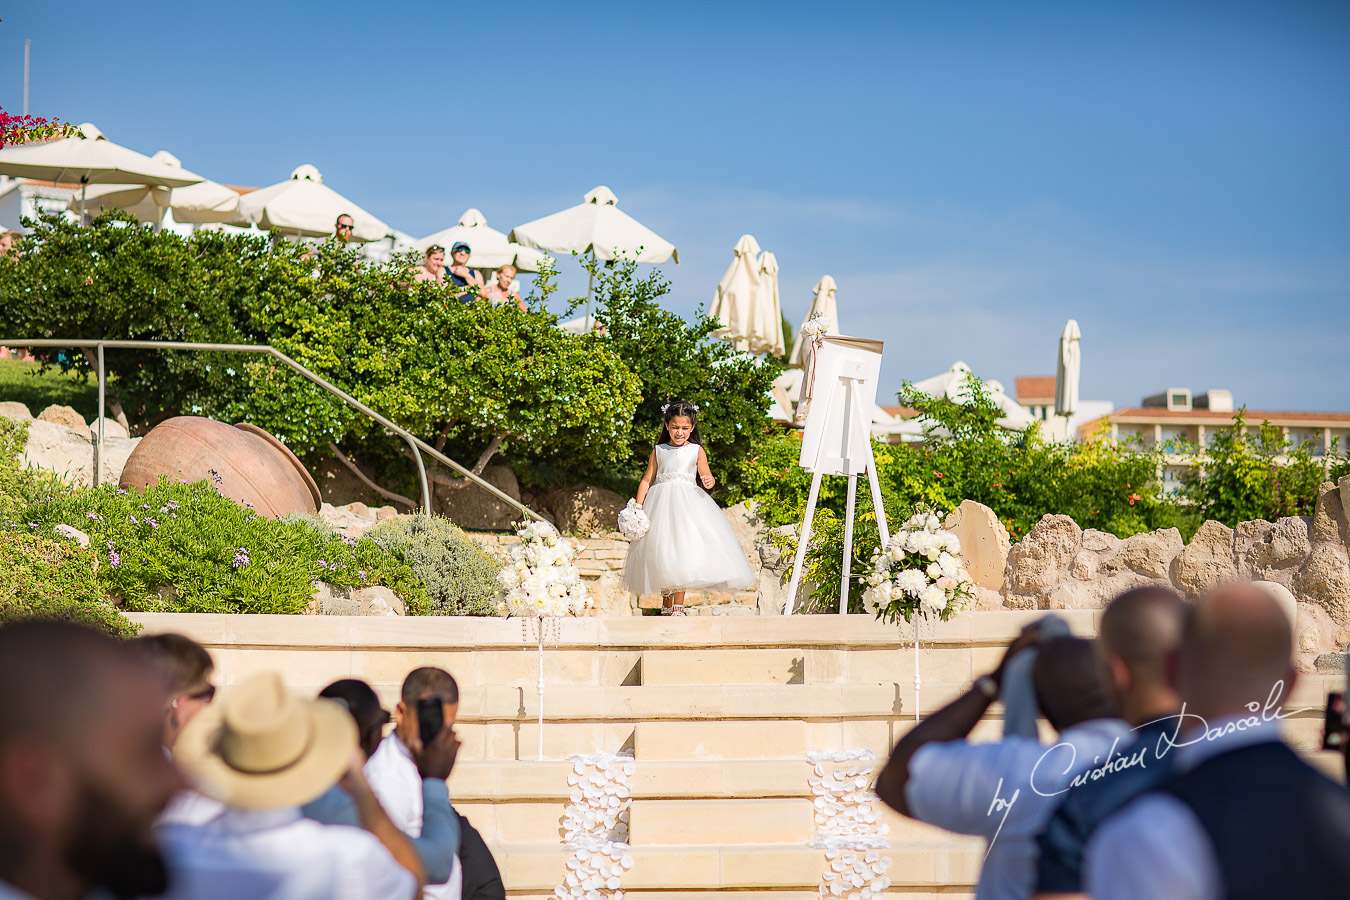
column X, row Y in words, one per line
column 680, row 408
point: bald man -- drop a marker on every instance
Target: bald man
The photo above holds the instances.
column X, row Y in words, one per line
column 1244, row 817
column 1005, row 790
column 1139, row 632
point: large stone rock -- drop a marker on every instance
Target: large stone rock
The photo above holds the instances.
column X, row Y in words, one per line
column 1040, row 561
column 13, row 409
column 1149, row 554
column 1284, row 546
column 354, row 519
column 1329, row 518
column 1207, row 561
column 1100, row 541
column 1324, row 580
column 609, row 597
column 111, row 429
column 748, row 527
column 984, row 542
column 69, row 454
column 1245, row 536
column 585, row 509
column 378, row 600
column 65, row 417
column 472, row 508
column 1095, row 594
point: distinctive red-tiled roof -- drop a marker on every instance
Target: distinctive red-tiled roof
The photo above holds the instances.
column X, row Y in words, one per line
column 1034, row 388
column 901, row 412
column 1145, row 415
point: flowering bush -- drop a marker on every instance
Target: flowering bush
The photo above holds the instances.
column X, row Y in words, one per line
column 918, row 571
column 540, row 579
column 633, row 521
column 54, row 579
column 23, row 129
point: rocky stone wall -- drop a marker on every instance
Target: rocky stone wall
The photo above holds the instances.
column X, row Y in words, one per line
column 60, row 441
column 1060, row 566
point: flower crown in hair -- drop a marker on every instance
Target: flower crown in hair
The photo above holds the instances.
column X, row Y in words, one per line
column 666, row 406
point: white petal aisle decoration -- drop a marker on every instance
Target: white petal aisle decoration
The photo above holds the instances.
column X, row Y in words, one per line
column 918, row 575
column 540, row 582
column 595, row 827
column 848, row 826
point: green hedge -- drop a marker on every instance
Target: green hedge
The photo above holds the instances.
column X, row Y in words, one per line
column 49, row 579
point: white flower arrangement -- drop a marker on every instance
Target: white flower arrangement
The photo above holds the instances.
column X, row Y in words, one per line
column 918, row 571
column 539, row 579
column 816, row 327
column 633, row 522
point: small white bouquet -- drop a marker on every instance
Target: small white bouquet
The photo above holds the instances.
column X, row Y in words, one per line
column 918, row 571
column 633, row 522
column 540, row 580
column 816, row 327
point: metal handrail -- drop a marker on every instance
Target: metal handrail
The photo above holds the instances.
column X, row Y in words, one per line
column 417, row 445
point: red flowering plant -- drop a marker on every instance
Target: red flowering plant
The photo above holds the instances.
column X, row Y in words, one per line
column 28, row 129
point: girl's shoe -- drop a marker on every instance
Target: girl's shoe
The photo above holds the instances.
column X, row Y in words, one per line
column 677, row 609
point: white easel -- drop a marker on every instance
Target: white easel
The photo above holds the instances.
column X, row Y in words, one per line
column 838, row 441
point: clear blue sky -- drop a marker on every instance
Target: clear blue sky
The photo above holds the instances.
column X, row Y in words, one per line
column 1174, row 175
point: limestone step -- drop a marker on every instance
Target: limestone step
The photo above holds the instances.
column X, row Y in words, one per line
column 944, row 866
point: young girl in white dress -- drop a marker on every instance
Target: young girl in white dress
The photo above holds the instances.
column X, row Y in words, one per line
column 690, row 544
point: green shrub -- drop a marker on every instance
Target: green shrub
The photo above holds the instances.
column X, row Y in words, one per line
column 460, row 576
column 45, row 579
column 19, row 484
column 186, row 548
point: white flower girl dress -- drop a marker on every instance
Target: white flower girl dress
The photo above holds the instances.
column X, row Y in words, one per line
column 690, row 544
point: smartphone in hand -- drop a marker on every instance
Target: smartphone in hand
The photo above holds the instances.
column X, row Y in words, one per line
column 430, row 718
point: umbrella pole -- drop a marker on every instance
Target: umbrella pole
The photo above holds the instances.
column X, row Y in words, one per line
column 590, row 287
column 84, row 185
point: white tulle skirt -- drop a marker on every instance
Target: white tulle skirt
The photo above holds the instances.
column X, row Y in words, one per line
column 690, row 545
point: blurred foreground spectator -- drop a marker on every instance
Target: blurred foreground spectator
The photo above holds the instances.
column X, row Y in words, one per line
column 1139, row 632
column 1244, row 817
column 82, row 772
column 264, row 753
column 1006, row 790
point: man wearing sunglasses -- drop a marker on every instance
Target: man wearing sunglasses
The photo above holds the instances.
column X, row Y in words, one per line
column 342, row 229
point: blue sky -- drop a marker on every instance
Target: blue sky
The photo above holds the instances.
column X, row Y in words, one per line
column 1173, row 175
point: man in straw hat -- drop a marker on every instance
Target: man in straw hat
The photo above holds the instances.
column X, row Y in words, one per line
column 82, row 772
column 264, row 753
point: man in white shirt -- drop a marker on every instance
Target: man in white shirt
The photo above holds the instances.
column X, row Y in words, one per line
column 263, row 753
column 82, row 772
column 1244, row 816
column 1006, row 790
column 392, row 771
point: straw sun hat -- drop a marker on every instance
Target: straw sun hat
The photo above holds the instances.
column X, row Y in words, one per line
column 260, row 748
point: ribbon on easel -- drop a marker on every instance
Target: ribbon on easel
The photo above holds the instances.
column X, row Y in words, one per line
column 808, row 380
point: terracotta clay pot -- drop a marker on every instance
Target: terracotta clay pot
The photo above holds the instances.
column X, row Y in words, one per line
column 253, row 467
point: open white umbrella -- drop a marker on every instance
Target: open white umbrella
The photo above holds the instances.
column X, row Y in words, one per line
column 303, row 205
column 1067, row 370
column 734, row 299
column 200, row 203
column 766, row 335
column 596, row 226
column 954, row 385
column 488, row 247
column 89, row 158
column 823, row 304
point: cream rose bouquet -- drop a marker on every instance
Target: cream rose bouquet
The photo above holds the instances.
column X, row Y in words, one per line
column 539, row 578
column 919, row 570
column 633, row 522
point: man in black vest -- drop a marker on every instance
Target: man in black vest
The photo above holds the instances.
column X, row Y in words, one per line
column 1244, row 818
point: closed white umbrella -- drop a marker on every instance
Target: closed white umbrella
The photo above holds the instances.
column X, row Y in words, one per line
column 303, row 205
column 1067, row 370
column 488, row 247
column 598, row 227
column 89, row 159
column 734, row 299
column 766, row 335
column 200, row 203
column 824, row 304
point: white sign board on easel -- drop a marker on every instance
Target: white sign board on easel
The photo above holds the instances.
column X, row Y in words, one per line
column 839, row 391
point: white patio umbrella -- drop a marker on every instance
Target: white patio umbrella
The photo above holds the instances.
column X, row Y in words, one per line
column 200, row 203
column 734, row 299
column 303, row 205
column 488, row 247
column 596, row 226
column 766, row 335
column 1067, row 370
column 89, row 158
column 953, row 385
column 823, row 303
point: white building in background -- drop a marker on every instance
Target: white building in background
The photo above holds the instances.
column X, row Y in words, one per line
column 1036, row 394
column 21, row 197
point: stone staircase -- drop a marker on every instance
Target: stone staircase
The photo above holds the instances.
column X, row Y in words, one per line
column 719, row 713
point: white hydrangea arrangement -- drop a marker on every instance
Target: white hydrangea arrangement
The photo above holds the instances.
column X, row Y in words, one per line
column 633, row 521
column 919, row 571
column 540, row 580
